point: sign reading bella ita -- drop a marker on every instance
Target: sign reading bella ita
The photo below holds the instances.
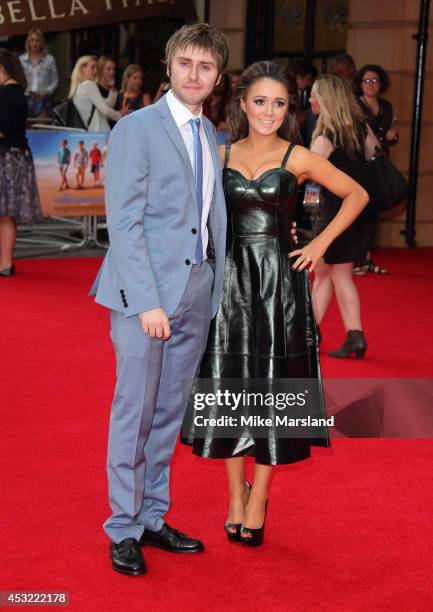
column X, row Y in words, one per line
column 18, row 16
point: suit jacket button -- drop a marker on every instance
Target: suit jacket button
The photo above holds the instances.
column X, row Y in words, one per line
column 187, row 261
column 193, row 231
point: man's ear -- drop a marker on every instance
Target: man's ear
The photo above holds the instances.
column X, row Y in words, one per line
column 218, row 81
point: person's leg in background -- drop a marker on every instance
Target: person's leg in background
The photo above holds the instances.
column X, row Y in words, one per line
column 8, row 232
column 367, row 264
column 322, row 291
column 349, row 304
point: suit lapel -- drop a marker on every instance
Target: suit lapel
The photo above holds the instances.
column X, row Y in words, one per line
column 174, row 134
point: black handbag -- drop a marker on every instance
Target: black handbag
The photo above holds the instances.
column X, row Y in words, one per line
column 66, row 115
column 389, row 186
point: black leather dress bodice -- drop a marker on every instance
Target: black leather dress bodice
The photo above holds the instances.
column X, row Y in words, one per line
column 264, row 205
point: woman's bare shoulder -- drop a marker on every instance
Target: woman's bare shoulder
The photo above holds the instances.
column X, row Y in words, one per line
column 298, row 151
column 299, row 161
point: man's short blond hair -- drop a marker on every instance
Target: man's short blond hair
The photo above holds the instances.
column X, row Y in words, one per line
column 199, row 36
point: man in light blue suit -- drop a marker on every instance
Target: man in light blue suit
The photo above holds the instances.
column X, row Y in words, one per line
column 161, row 280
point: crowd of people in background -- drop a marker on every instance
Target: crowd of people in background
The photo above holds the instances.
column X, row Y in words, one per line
column 340, row 115
column 94, row 90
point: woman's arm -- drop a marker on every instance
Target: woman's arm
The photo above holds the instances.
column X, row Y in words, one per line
column 355, row 199
column 321, row 146
column 147, row 99
column 388, row 121
column 371, row 143
column 94, row 95
column 110, row 100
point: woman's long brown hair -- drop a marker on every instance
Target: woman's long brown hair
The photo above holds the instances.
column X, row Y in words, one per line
column 341, row 119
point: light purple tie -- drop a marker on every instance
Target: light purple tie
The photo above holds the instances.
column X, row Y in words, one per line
column 198, row 180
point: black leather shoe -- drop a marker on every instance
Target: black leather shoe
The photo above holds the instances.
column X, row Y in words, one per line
column 233, row 530
column 171, row 539
column 127, row 558
column 8, row 271
column 255, row 536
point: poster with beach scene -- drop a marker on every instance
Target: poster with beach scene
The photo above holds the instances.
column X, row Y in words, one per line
column 70, row 169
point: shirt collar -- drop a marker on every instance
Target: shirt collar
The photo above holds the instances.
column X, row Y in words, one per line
column 180, row 113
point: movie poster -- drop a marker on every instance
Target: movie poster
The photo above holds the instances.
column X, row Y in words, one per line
column 70, row 171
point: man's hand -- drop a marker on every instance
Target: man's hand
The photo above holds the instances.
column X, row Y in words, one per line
column 155, row 323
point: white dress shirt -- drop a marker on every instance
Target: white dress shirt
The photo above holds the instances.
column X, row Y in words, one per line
column 182, row 116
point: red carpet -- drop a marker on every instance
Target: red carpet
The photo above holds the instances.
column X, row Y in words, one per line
column 348, row 530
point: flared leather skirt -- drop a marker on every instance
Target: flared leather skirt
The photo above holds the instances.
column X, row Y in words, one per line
column 264, row 329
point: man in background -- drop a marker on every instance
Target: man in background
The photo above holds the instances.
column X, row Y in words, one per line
column 344, row 67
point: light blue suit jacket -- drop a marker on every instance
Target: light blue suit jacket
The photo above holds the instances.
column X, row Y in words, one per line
column 152, row 215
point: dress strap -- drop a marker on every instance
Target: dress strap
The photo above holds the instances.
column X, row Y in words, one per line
column 286, row 157
column 227, row 155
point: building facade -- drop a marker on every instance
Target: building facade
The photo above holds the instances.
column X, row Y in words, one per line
column 371, row 31
column 376, row 32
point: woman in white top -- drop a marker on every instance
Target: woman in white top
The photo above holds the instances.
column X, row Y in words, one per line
column 87, row 97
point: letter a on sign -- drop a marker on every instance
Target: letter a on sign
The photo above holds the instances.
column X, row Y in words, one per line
column 77, row 6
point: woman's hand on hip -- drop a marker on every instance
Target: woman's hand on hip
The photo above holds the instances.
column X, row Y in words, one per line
column 309, row 255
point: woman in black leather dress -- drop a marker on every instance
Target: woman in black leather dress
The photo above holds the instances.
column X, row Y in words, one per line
column 265, row 326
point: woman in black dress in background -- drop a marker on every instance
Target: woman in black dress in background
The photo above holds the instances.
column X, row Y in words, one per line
column 341, row 136
column 265, row 326
column 19, row 198
column 371, row 81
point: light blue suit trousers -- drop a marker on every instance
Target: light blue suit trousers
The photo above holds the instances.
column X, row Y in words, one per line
column 153, row 379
